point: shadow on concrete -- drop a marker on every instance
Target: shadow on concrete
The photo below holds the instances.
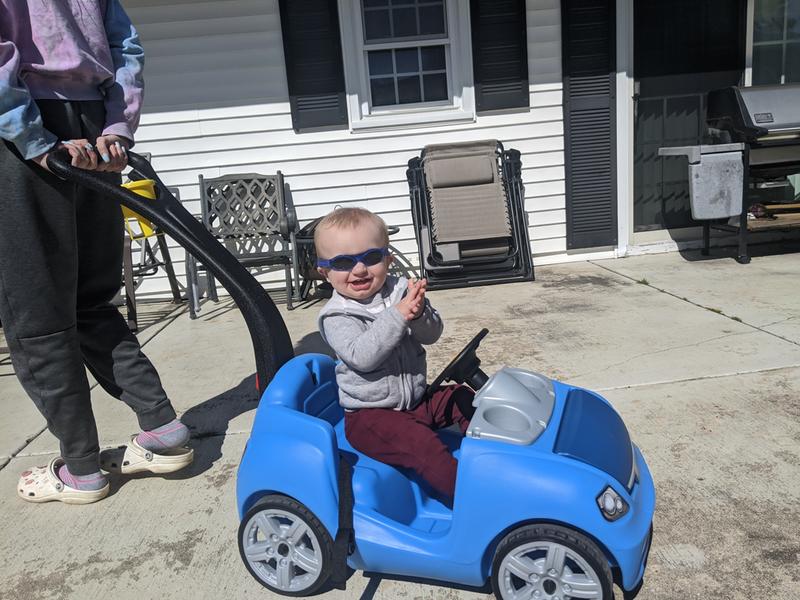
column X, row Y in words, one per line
column 209, row 420
column 730, row 251
column 313, row 342
column 208, row 423
column 153, row 314
column 375, row 580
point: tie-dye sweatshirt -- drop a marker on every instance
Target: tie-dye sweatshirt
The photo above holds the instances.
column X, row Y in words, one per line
column 68, row 50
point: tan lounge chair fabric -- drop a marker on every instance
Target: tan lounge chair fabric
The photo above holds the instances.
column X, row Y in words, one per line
column 488, row 147
column 467, row 198
column 472, row 212
column 460, row 171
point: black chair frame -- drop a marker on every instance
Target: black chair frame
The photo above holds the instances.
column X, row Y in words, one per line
column 517, row 265
column 240, row 221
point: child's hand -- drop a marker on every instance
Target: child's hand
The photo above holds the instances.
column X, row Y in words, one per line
column 412, row 305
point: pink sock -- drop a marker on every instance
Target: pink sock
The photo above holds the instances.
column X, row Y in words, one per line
column 166, row 437
column 95, row 481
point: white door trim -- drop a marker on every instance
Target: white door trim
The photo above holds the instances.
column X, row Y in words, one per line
column 624, row 124
column 748, row 56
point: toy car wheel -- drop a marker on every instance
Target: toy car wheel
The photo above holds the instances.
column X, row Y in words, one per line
column 285, row 547
column 549, row 561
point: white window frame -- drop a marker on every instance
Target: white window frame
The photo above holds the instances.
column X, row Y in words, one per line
column 750, row 45
column 748, row 59
column 458, row 56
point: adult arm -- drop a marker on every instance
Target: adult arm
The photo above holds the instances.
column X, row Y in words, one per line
column 123, row 100
column 20, row 119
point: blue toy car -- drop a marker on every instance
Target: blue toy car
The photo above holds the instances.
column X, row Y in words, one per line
column 552, row 498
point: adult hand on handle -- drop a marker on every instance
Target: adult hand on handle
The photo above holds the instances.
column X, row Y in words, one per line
column 80, row 151
column 113, row 152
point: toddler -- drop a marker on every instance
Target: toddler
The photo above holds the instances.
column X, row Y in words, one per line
column 377, row 324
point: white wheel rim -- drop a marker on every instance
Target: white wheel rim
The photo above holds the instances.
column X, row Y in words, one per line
column 282, row 550
column 547, row 571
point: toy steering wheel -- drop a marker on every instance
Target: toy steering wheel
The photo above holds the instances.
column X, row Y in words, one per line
column 465, row 367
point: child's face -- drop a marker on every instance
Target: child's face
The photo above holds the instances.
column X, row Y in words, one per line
column 363, row 281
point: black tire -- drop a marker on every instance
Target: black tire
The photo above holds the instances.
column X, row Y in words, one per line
column 318, row 540
column 580, row 553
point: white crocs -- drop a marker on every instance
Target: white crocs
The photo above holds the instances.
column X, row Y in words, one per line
column 41, row 484
column 135, row 459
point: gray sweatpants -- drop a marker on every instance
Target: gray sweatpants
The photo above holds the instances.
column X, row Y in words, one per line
column 60, row 267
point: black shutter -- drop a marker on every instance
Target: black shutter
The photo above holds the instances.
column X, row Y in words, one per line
column 313, row 50
column 589, row 125
column 499, row 54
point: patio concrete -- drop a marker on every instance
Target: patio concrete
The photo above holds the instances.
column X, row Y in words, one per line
column 701, row 358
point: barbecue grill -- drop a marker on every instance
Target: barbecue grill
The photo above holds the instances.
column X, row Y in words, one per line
column 755, row 135
column 766, row 119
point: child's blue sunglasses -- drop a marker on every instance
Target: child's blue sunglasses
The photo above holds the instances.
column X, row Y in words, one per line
column 346, row 262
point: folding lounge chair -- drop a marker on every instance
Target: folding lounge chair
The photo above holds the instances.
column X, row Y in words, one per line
column 467, row 204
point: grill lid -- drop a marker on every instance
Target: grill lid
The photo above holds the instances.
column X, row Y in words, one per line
column 762, row 114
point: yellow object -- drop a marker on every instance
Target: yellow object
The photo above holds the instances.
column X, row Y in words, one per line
column 138, row 227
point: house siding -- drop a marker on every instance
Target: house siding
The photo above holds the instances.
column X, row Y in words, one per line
column 217, row 102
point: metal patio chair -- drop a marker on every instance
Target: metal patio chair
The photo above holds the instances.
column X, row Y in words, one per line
column 307, row 261
column 253, row 217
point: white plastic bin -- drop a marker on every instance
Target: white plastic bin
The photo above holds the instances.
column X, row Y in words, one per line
column 716, row 176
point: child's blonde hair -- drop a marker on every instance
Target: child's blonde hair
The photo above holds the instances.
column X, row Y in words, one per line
column 350, row 218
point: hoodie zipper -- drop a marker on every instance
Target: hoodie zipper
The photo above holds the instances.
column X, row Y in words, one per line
column 404, row 400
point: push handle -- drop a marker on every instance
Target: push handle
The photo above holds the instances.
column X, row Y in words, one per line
column 271, row 341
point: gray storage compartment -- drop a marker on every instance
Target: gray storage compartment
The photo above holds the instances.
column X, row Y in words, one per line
column 716, row 173
column 514, row 406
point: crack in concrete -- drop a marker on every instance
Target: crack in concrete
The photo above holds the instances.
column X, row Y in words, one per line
column 697, row 304
column 202, row 436
column 213, row 434
column 699, row 378
column 641, row 354
column 779, row 321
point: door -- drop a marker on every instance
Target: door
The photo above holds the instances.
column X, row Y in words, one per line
column 682, row 50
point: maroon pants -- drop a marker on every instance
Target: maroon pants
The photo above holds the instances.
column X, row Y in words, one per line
column 408, row 438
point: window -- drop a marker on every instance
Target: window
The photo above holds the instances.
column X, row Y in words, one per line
column 407, row 62
column 407, row 75
column 776, row 42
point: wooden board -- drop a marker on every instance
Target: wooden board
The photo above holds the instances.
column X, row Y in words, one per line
column 783, row 207
column 783, row 221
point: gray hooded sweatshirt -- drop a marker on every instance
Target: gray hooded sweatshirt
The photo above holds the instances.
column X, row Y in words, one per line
column 382, row 361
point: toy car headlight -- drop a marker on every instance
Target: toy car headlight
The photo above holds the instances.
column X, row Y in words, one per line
column 611, row 504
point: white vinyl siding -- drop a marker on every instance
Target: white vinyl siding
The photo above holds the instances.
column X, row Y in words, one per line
column 217, row 103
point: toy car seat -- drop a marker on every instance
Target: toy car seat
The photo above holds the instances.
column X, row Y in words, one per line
column 307, row 384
